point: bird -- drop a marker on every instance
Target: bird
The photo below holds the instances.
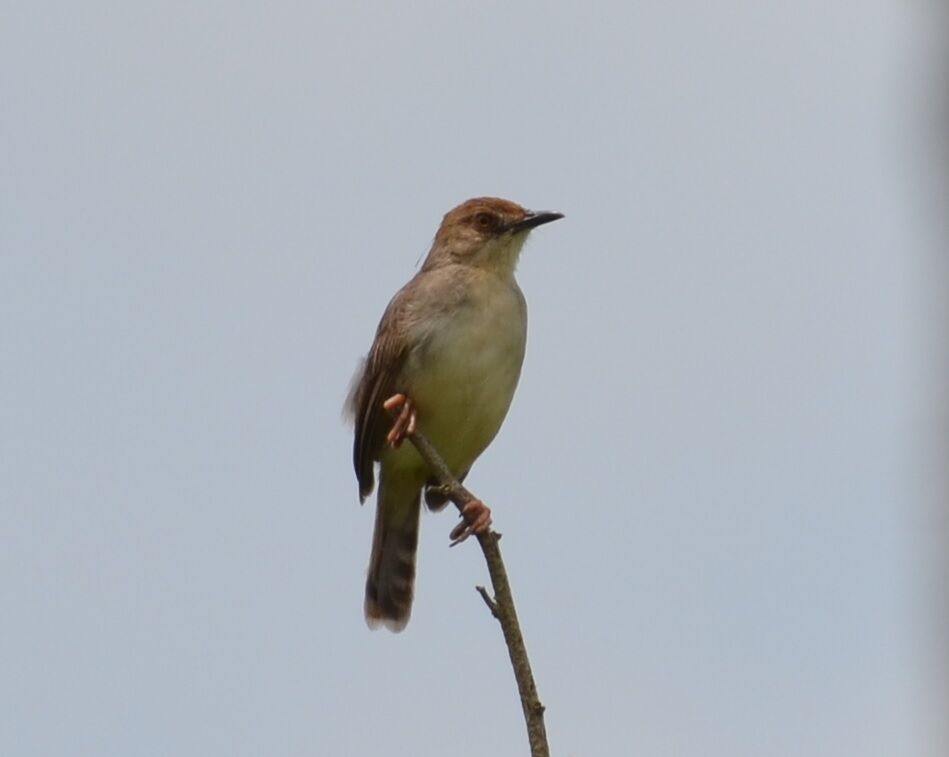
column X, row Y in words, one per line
column 445, row 361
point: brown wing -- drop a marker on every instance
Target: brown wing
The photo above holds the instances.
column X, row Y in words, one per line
column 379, row 381
column 405, row 328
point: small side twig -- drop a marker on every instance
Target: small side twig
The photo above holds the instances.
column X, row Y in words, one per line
column 492, row 605
column 501, row 606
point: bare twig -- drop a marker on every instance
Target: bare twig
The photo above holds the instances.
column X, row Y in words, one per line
column 492, row 605
column 501, row 606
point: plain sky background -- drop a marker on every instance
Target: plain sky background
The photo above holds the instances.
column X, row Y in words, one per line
column 708, row 483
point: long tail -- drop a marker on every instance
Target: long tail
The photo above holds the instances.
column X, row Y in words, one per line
column 391, row 580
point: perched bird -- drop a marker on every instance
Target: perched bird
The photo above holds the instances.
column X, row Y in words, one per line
column 446, row 360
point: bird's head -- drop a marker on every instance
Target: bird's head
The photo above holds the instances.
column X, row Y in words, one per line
column 486, row 232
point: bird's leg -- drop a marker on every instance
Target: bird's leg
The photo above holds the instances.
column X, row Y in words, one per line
column 476, row 516
column 405, row 422
column 477, row 520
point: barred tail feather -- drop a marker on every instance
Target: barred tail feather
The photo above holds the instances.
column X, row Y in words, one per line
column 391, row 580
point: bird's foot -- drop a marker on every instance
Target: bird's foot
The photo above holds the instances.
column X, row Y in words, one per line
column 477, row 520
column 405, row 421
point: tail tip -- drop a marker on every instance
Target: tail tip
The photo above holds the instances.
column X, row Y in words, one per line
column 377, row 617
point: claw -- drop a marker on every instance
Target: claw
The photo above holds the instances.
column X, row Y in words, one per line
column 405, row 422
column 477, row 520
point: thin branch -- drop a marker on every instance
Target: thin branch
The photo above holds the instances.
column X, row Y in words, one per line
column 502, row 606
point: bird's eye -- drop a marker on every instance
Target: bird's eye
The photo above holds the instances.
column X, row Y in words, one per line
column 484, row 220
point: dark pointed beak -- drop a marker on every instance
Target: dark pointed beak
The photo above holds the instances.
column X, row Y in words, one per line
column 534, row 219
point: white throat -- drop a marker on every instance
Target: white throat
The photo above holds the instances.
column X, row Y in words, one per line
column 501, row 254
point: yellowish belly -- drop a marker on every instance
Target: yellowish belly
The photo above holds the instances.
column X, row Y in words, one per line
column 463, row 383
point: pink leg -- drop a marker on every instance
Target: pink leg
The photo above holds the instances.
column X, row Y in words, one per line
column 477, row 520
column 405, row 422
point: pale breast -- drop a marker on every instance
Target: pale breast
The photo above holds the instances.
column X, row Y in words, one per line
column 464, row 379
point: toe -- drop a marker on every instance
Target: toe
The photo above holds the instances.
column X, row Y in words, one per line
column 396, row 400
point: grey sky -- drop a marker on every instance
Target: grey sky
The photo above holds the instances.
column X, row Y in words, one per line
column 707, row 482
